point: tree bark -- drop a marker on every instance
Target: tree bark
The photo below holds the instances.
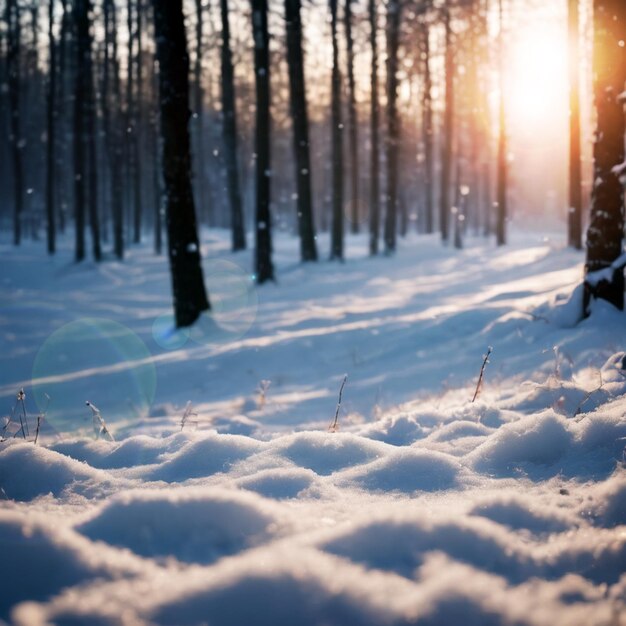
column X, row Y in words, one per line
column 14, row 76
column 229, row 130
column 352, row 122
column 575, row 189
column 446, row 157
column 605, row 233
column 374, row 162
column 300, row 122
column 501, row 214
column 336, row 246
column 393, row 28
column 263, row 254
column 51, row 127
column 190, row 297
column 427, row 113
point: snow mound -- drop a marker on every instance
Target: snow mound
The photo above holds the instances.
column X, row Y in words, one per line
column 192, row 525
column 398, row 430
column 610, row 508
column 401, row 543
column 521, row 514
column 534, row 440
column 28, row 471
column 280, row 484
column 407, row 470
column 325, row 453
column 39, row 559
column 131, row 452
column 208, row 454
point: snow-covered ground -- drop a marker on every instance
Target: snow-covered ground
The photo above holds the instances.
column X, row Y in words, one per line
column 423, row 508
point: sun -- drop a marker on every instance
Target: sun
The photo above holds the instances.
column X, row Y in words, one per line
column 536, row 74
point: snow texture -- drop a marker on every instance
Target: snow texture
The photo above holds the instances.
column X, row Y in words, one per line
column 424, row 508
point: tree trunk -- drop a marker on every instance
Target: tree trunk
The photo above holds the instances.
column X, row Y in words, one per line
column 575, row 191
column 190, row 297
column 264, row 266
column 352, row 122
column 81, row 24
column 138, row 128
column 336, row 246
column 14, row 75
column 448, row 117
column 300, row 123
column 229, row 129
column 374, row 163
column 50, row 145
column 393, row 28
column 502, row 144
column 605, row 233
column 198, row 96
column 427, row 113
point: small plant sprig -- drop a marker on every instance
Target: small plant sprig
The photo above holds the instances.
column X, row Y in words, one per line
column 334, row 427
column 41, row 417
column 186, row 413
column 479, row 384
column 263, row 387
column 99, row 425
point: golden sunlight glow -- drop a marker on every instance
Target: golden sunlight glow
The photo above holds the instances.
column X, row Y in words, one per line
column 536, row 72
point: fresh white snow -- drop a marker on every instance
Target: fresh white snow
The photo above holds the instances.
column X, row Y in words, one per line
column 424, row 508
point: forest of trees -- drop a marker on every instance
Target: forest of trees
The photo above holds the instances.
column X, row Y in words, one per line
column 132, row 120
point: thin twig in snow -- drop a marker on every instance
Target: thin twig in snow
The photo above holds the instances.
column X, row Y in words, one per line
column 334, row 427
column 98, row 422
column 482, row 372
column 186, row 414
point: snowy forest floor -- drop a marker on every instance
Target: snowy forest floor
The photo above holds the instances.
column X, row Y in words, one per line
column 424, row 507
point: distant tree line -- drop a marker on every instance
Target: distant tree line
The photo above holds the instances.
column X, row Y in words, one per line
column 126, row 119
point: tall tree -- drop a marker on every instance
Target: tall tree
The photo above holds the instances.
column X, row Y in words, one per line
column 229, row 132
column 353, row 121
column 12, row 13
column 374, row 157
column 605, row 233
column 137, row 127
column 393, row 36
column 300, row 122
column 263, row 254
column 448, row 118
column 427, row 128
column 51, row 127
column 575, row 191
column 190, row 297
column 81, row 25
column 111, row 111
column 502, row 141
column 336, row 245
column 198, row 110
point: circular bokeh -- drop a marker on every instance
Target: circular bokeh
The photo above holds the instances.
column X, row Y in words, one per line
column 166, row 334
column 96, row 360
column 234, row 304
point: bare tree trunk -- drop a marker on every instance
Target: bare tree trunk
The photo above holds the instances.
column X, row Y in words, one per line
column 264, row 266
column 393, row 34
column 14, row 74
column 605, row 234
column 427, row 113
column 374, row 163
column 81, row 22
column 190, row 297
column 502, row 144
column 336, row 246
column 229, row 130
column 300, row 122
column 575, row 187
column 448, row 120
column 138, row 128
column 201, row 195
column 352, row 122
column 51, row 145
